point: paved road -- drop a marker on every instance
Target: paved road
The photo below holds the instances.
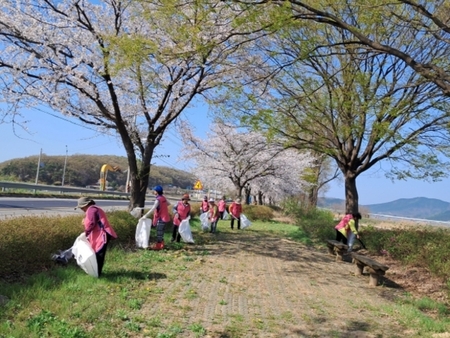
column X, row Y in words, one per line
column 24, row 206
column 30, row 206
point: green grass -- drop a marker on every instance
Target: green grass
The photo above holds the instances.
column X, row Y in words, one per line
column 65, row 302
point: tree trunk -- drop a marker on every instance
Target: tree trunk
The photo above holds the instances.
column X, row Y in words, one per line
column 313, row 194
column 238, row 189
column 139, row 177
column 247, row 191
column 351, row 194
column 260, row 198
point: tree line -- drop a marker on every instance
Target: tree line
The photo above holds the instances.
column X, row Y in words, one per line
column 84, row 170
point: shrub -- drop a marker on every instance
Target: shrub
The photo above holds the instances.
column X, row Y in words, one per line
column 257, row 212
column 28, row 242
column 318, row 224
column 426, row 247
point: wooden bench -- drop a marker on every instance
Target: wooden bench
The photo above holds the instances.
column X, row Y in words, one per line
column 374, row 268
column 337, row 249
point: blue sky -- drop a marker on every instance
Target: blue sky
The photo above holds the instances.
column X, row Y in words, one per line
column 52, row 135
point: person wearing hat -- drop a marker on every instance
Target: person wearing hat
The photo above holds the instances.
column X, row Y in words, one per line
column 222, row 207
column 97, row 228
column 235, row 213
column 213, row 215
column 204, row 207
column 161, row 216
column 181, row 211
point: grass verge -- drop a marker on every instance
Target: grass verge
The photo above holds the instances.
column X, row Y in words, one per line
column 65, row 302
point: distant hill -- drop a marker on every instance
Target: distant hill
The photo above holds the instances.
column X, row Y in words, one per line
column 84, row 170
column 418, row 207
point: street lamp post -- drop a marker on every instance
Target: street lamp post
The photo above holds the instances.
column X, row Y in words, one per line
column 64, row 170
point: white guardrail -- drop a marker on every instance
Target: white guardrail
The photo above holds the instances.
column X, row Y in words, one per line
column 55, row 188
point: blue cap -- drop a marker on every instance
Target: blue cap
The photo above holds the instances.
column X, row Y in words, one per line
column 158, row 189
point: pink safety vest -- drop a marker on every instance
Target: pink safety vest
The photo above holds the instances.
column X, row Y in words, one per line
column 222, row 205
column 97, row 233
column 162, row 211
column 344, row 221
column 205, row 206
column 183, row 212
column 213, row 213
column 235, row 209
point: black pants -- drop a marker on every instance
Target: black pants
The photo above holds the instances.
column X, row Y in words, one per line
column 340, row 237
column 238, row 222
column 175, row 234
column 100, row 255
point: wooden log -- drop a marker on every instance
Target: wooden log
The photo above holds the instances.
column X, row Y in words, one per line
column 337, row 248
column 334, row 243
column 330, row 249
column 374, row 279
column 339, row 254
column 369, row 262
column 359, row 268
column 374, row 268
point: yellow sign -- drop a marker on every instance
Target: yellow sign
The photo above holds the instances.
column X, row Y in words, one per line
column 198, row 185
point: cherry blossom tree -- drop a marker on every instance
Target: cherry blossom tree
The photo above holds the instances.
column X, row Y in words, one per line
column 245, row 160
column 129, row 68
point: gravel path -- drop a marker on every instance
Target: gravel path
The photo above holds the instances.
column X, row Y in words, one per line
column 245, row 284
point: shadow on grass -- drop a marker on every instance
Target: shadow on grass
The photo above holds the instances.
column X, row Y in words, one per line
column 118, row 276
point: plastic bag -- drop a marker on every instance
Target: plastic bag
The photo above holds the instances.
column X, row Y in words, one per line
column 185, row 231
column 226, row 215
column 245, row 223
column 85, row 255
column 136, row 212
column 143, row 232
column 206, row 225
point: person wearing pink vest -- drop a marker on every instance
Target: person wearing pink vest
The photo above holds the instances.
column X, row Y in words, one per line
column 181, row 211
column 346, row 230
column 213, row 215
column 222, row 205
column 204, row 207
column 161, row 216
column 235, row 210
column 97, row 228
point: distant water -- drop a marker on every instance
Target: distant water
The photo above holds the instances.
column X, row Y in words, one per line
column 417, row 220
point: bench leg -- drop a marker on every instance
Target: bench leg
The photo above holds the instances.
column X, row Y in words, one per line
column 339, row 255
column 330, row 250
column 359, row 268
column 373, row 279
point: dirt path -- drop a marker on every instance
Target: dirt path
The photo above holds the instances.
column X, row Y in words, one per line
column 243, row 284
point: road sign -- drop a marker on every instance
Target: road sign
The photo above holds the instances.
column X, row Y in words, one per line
column 198, row 185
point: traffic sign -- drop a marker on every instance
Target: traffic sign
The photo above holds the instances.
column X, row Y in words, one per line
column 198, row 185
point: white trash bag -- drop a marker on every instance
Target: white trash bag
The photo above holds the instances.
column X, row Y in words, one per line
column 245, row 223
column 85, row 255
column 206, row 225
column 226, row 215
column 143, row 232
column 136, row 212
column 185, row 231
